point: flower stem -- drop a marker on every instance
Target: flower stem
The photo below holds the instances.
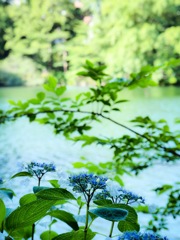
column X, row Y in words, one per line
column 87, row 218
column 33, row 231
column 39, row 182
column 111, row 230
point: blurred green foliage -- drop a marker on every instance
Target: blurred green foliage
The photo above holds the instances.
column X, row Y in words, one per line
column 132, row 34
column 16, row 70
column 60, row 35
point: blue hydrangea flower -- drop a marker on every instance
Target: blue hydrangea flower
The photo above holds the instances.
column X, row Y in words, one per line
column 129, row 197
column 141, row 236
column 87, row 184
column 118, row 194
column 39, row 169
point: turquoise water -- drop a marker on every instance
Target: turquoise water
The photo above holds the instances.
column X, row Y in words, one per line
column 22, row 141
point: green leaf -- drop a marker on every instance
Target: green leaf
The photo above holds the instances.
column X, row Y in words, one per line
column 31, row 117
column 52, row 82
column 64, row 236
column 47, row 87
column 143, row 209
column 131, row 213
column 111, row 214
column 78, row 235
column 48, row 235
column 55, row 194
column 28, row 214
column 7, row 192
column 2, row 213
column 125, row 226
column 103, row 202
column 30, row 197
column 41, row 96
column 38, row 189
column 34, row 101
column 65, row 217
column 119, row 180
column 22, row 174
column 80, row 202
column 163, row 189
column 89, row 64
column 51, row 115
column 23, row 233
column 130, row 222
column 54, row 183
column 172, row 63
column 12, row 102
column 60, row 90
column 78, row 165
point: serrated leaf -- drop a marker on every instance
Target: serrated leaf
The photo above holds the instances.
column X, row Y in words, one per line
column 65, row 217
column 28, row 214
column 111, row 214
column 22, row 174
column 30, row 197
column 55, row 194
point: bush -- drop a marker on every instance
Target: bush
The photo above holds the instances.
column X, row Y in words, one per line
column 9, row 79
column 17, row 70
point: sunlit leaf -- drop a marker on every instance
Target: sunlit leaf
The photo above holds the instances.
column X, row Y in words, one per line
column 55, row 194
column 28, row 214
column 22, row 174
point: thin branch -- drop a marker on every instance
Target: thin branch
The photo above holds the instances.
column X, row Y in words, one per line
column 96, row 114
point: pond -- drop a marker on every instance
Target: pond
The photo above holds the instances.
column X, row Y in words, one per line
column 22, row 141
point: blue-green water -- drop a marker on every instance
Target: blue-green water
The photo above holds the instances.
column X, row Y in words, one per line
column 22, row 141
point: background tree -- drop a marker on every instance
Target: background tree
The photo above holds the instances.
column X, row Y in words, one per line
column 60, row 35
column 40, row 31
column 4, row 23
column 131, row 34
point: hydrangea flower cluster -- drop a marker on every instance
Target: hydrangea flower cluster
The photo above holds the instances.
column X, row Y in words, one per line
column 39, row 169
column 87, row 184
column 141, row 236
column 129, row 197
column 118, row 194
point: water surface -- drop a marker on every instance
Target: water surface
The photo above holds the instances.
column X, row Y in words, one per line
column 22, row 141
